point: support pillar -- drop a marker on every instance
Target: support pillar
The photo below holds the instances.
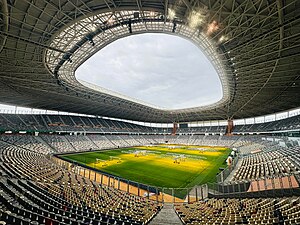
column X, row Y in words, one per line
column 175, row 127
column 229, row 128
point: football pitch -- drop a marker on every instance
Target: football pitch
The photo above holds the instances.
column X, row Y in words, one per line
column 170, row 166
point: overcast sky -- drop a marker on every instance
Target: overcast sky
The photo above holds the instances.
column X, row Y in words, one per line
column 160, row 69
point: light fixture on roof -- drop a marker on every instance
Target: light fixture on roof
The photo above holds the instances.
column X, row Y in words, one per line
column 171, row 14
column 223, row 38
column 110, row 20
column 212, row 27
column 196, row 18
column 152, row 14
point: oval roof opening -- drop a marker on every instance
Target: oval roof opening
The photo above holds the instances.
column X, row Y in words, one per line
column 164, row 70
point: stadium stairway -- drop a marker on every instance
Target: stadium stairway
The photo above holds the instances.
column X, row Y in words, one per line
column 45, row 143
column 65, row 140
column 166, row 216
column 230, row 176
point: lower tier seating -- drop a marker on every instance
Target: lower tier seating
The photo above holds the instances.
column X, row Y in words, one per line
column 33, row 189
column 241, row 211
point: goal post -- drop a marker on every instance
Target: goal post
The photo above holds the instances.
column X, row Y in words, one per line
column 111, row 158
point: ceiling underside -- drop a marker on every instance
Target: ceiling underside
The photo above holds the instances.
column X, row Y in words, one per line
column 260, row 54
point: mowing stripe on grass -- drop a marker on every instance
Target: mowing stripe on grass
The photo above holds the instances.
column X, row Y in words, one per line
column 198, row 164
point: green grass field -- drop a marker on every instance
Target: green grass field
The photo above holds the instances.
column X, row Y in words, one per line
column 196, row 165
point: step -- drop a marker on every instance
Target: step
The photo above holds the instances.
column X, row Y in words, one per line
column 166, row 216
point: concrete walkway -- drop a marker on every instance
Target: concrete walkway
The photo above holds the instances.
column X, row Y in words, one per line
column 166, row 216
column 237, row 166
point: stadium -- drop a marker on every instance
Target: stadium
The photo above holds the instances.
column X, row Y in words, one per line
column 86, row 154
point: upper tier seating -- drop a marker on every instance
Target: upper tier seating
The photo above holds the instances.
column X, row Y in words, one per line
column 93, row 124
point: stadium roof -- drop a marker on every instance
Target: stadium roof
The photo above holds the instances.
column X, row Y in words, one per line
column 254, row 46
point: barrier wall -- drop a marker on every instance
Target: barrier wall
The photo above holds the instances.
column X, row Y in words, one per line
column 287, row 185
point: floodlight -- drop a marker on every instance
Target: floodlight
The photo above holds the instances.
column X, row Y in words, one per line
column 212, row 27
column 152, row 14
column 196, row 18
column 171, row 14
column 223, row 38
column 110, row 20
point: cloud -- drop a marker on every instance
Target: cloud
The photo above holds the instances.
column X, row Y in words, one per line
column 163, row 70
